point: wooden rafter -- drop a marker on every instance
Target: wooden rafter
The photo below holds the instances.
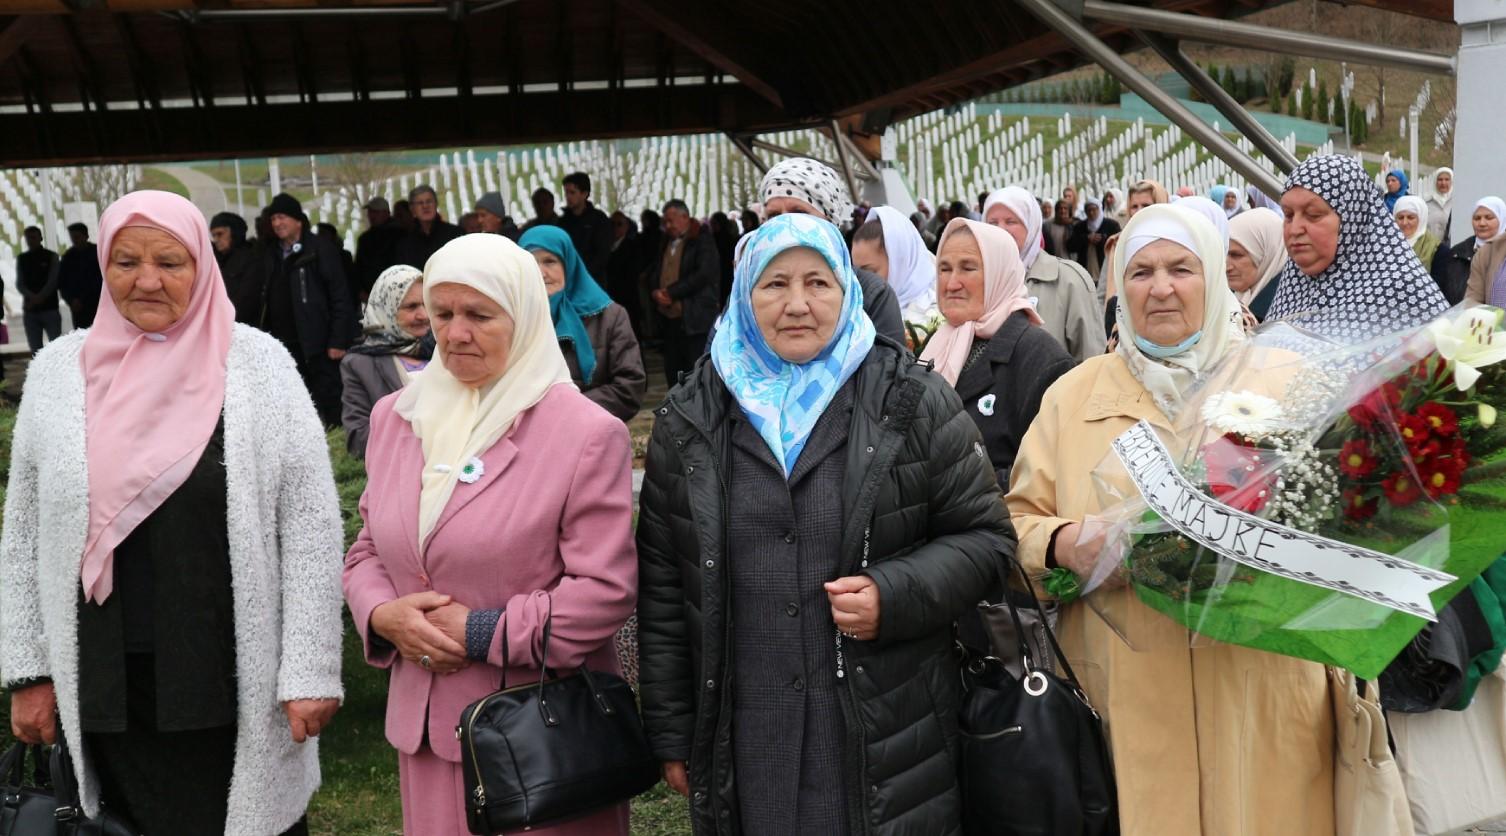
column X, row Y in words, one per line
column 701, row 46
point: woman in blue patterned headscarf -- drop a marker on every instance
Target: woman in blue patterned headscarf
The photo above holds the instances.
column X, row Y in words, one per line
column 595, row 333
column 817, row 510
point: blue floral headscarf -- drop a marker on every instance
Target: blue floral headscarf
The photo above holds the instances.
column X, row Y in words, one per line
column 1392, row 197
column 783, row 400
column 581, row 297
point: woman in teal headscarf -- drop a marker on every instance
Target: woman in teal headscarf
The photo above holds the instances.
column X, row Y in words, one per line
column 788, row 640
column 596, row 334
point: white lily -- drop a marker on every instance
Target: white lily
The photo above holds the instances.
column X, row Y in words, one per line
column 1470, row 342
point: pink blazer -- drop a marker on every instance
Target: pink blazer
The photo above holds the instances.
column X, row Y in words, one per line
column 551, row 516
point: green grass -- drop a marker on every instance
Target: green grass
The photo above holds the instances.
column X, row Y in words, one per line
column 359, row 796
column 156, row 178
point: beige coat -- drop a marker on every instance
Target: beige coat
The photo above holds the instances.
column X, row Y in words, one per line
column 1483, row 270
column 1067, row 300
column 1209, row 739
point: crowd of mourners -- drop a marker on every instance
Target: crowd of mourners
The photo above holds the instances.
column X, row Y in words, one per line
column 870, row 414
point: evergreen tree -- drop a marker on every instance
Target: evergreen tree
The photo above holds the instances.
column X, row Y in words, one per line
column 1226, row 81
column 1323, row 100
column 1287, row 75
column 1307, row 101
column 1291, row 106
column 1274, row 102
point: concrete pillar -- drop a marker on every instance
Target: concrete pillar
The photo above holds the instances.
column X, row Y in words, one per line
column 1482, row 122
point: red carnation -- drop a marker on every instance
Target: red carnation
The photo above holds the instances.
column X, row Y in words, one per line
column 1440, row 419
column 1356, row 459
column 1401, row 489
column 1376, row 405
column 1357, row 506
column 1237, row 476
column 1441, row 478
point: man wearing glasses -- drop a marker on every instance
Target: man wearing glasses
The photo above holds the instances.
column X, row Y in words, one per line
column 429, row 232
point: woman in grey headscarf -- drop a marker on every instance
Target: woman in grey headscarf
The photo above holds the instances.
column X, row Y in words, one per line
column 397, row 345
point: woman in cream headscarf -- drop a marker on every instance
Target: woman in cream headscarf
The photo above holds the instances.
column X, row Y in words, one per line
column 1256, row 256
column 1206, row 738
column 441, row 594
column 1411, row 215
column 1059, row 289
column 1440, row 202
column 397, row 346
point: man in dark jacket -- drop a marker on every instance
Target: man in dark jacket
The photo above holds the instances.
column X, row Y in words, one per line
column 624, row 266
column 240, row 265
column 921, row 517
column 429, row 232
column 686, row 282
column 306, row 304
column 543, row 211
column 589, row 229
column 376, row 248
column 37, row 282
column 79, row 279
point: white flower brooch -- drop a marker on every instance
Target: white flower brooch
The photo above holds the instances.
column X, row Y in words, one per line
column 472, row 471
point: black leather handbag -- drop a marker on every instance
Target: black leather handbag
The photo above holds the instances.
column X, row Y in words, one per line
column 49, row 805
column 1034, row 758
column 558, row 749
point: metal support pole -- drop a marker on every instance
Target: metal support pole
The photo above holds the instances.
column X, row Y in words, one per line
column 240, row 200
column 866, row 169
column 742, row 145
column 1171, row 52
column 1200, row 131
column 852, row 185
column 1212, row 30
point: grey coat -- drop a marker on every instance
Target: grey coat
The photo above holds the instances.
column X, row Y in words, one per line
column 1067, row 299
column 367, row 378
column 619, row 383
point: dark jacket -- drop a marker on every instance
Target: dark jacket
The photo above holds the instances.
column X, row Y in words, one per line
column 619, row 382
column 1078, row 244
column 80, row 282
column 1006, row 382
column 1261, row 304
column 591, row 233
column 243, row 268
column 37, row 277
column 922, row 512
column 367, row 378
column 882, row 306
column 415, row 247
column 376, row 250
column 1452, row 273
column 322, row 312
column 698, row 289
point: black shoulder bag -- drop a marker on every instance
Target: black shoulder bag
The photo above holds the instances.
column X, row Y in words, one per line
column 558, row 749
column 1034, row 758
column 49, row 805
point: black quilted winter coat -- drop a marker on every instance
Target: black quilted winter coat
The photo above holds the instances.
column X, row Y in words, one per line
column 920, row 491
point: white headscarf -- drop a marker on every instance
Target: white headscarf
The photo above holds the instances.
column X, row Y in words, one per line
column 1215, row 214
column 1496, row 207
column 1025, row 207
column 1093, row 223
column 1121, row 209
column 1168, row 379
column 1444, row 200
column 1417, row 206
column 1259, row 232
column 456, row 422
column 912, row 267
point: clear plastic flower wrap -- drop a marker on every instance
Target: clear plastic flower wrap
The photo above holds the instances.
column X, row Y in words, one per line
column 1311, row 499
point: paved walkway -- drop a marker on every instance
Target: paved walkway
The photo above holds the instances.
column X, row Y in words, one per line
column 206, row 192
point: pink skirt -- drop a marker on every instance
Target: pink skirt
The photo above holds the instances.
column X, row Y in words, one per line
column 434, row 802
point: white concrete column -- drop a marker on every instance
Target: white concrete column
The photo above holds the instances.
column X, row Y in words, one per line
column 1482, row 121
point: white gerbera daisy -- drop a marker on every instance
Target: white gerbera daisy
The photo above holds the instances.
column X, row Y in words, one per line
column 1244, row 413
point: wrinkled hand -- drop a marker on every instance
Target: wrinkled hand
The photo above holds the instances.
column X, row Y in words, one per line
column 306, row 718
column 450, row 619
column 1080, row 546
column 677, row 777
column 336, row 353
column 402, row 621
column 855, row 606
column 34, row 714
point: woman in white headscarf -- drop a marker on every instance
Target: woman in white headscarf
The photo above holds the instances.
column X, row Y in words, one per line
column 441, row 594
column 1256, row 256
column 1059, row 288
column 1411, row 214
column 1089, row 236
column 889, row 246
column 1440, row 201
column 1487, row 220
column 1487, row 271
column 1206, row 737
column 1114, row 206
column 397, row 345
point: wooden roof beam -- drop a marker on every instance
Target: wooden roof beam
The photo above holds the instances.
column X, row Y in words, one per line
column 15, row 34
column 708, row 52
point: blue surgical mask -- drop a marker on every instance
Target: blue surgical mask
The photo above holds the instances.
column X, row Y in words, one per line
column 1161, row 352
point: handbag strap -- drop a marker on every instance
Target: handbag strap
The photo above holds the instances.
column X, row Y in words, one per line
column 544, row 662
column 1019, row 627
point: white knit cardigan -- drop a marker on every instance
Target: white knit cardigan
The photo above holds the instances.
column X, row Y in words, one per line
column 285, row 540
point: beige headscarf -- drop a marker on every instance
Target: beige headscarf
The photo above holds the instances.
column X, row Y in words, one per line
column 456, row 422
column 1169, row 379
column 1259, row 232
column 1003, row 294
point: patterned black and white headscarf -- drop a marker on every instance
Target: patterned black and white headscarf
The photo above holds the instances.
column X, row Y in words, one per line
column 1375, row 284
column 810, row 181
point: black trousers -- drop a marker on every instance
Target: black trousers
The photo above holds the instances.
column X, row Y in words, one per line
column 165, row 783
column 321, row 376
column 681, row 350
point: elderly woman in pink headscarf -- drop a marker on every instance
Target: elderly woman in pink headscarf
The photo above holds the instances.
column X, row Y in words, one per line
column 169, row 573
column 992, row 348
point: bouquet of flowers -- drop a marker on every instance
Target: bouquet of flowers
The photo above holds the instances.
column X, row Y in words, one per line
column 1327, row 502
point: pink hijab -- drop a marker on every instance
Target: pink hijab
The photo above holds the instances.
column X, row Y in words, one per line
column 1003, row 294
column 151, row 401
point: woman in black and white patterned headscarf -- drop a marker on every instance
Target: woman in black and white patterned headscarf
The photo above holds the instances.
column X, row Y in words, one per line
column 808, row 182
column 1352, row 275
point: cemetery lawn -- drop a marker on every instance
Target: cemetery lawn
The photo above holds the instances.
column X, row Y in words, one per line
column 359, row 796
